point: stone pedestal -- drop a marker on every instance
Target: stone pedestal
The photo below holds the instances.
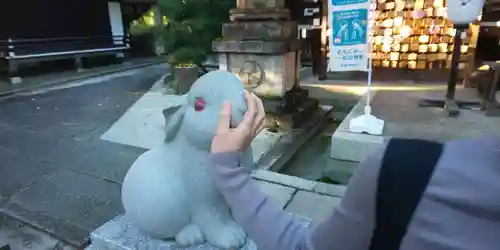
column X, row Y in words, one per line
column 261, row 46
column 119, row 234
column 263, row 30
column 266, row 67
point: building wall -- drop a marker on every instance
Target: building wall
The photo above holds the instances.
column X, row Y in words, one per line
column 22, row 19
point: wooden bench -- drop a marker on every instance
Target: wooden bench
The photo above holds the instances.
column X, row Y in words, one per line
column 14, row 52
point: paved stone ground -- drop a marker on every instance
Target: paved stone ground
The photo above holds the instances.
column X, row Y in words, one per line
column 405, row 119
column 57, row 174
column 19, row 236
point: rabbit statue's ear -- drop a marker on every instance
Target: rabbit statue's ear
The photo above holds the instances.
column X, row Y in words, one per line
column 174, row 114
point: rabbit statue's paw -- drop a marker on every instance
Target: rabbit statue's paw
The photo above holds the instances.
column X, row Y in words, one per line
column 190, row 236
column 230, row 236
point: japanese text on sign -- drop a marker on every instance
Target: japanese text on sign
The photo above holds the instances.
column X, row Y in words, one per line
column 349, row 35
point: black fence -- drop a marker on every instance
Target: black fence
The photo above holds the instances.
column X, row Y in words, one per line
column 47, row 47
column 23, row 57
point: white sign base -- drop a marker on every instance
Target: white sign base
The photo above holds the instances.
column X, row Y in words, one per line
column 367, row 123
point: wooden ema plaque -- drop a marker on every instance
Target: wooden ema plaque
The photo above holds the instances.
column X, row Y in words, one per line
column 414, row 35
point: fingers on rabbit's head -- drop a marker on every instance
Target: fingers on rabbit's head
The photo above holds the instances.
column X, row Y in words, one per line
column 204, row 104
column 209, row 92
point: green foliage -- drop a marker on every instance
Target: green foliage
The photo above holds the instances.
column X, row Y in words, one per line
column 184, row 56
column 145, row 24
column 191, row 28
column 138, row 28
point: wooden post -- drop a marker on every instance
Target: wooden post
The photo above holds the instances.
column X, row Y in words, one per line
column 471, row 55
column 323, row 61
column 241, row 4
column 455, row 59
column 314, row 40
column 469, row 67
column 450, row 104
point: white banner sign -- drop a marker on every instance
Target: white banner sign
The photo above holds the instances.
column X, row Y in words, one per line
column 348, row 21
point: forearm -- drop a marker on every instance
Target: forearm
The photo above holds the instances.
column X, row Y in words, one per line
column 349, row 227
column 270, row 227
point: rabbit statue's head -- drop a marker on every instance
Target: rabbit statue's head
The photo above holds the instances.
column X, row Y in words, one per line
column 196, row 116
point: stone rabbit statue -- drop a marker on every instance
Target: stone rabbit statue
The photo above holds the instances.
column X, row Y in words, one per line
column 168, row 192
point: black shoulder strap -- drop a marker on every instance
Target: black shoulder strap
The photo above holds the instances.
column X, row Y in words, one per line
column 406, row 169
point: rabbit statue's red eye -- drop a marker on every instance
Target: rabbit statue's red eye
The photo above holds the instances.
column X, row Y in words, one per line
column 199, row 104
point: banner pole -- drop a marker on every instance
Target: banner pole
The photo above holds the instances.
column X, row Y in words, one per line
column 367, row 123
column 371, row 18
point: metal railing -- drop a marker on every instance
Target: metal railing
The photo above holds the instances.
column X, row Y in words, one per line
column 12, row 49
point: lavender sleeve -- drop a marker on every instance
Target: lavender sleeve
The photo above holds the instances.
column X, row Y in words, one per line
column 349, row 227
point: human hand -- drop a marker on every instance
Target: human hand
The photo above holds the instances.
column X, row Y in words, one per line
column 238, row 139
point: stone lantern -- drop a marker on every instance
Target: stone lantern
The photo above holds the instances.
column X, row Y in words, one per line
column 261, row 46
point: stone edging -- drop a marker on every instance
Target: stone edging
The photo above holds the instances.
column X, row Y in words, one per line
column 353, row 147
column 299, row 183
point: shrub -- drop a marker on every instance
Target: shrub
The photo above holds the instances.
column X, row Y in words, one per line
column 191, row 28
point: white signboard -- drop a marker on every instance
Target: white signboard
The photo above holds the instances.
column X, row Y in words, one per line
column 348, row 21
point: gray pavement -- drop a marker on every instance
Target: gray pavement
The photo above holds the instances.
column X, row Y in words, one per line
column 54, row 78
column 56, row 174
column 19, row 236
